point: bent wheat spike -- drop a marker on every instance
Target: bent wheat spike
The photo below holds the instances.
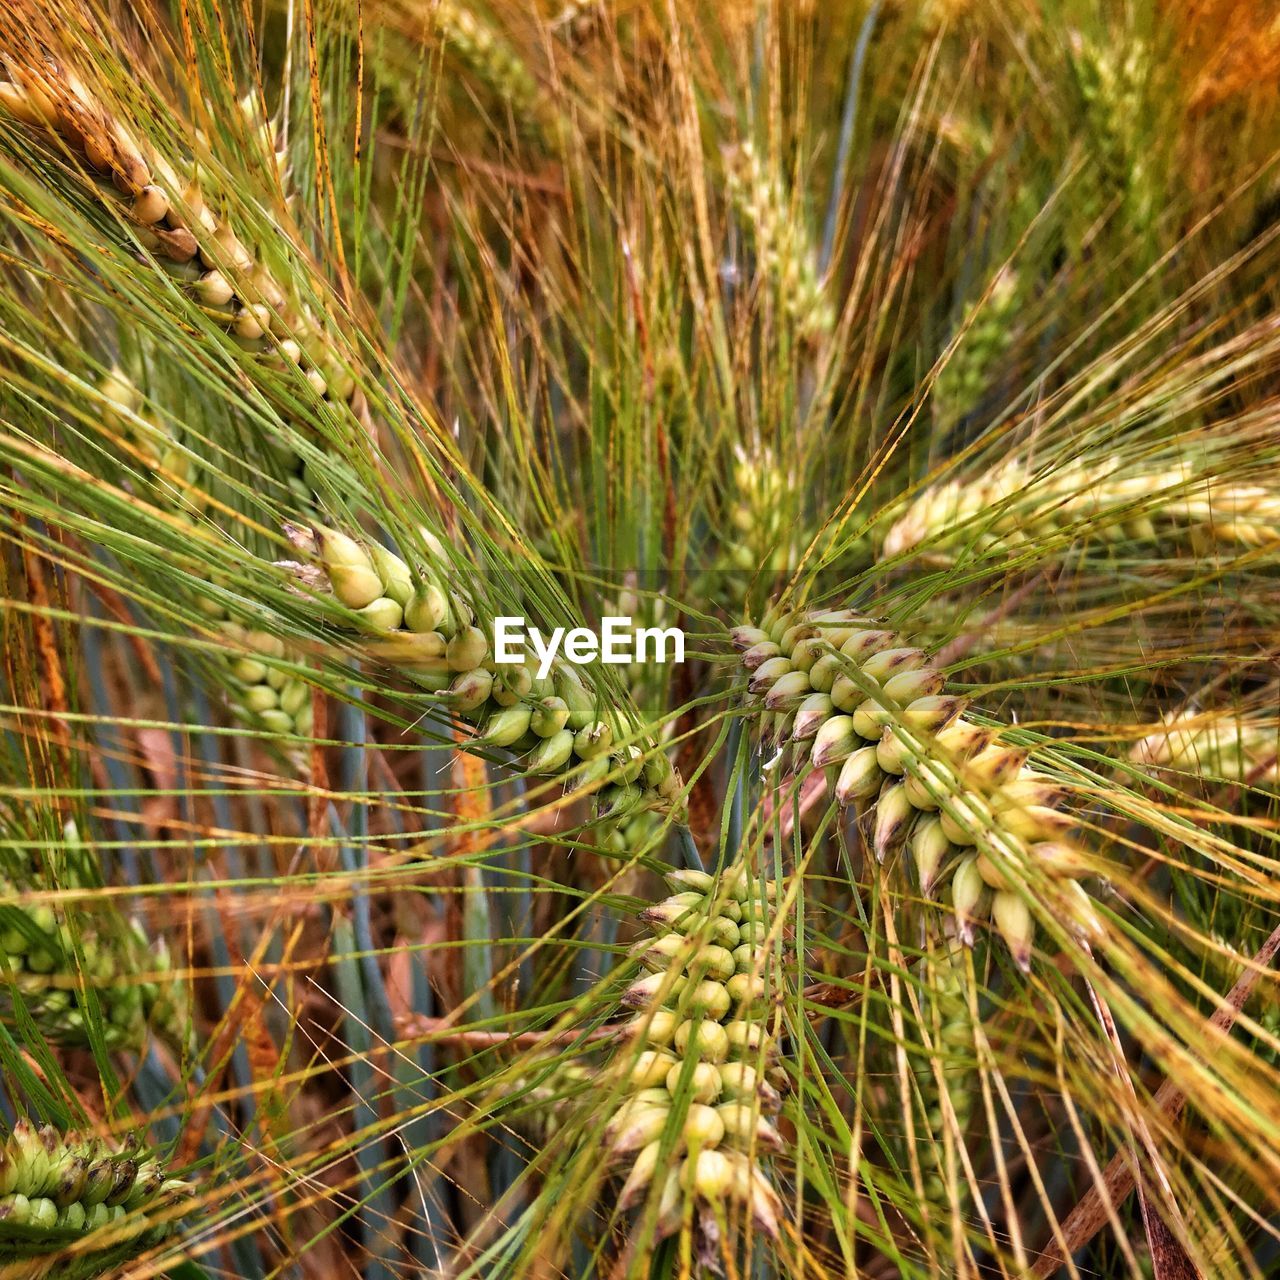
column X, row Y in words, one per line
column 420, row 621
column 1013, row 506
column 63, row 1189
column 42, row 971
column 174, row 223
column 1216, row 744
column 849, row 697
column 701, row 1067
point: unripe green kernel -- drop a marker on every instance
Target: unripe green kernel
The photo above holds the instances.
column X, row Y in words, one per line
column 705, row 1083
column 709, row 1175
column 707, row 999
column 467, row 650
column 705, row 1040
column 702, row 1126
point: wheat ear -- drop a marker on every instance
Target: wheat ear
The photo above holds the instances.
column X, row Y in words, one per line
column 492, row 61
column 1216, row 744
column 63, row 1189
column 1012, row 506
column 937, row 1073
column 39, row 945
column 421, row 622
column 256, row 683
column 843, row 695
column 984, row 337
column 699, row 1075
column 787, row 258
column 174, row 223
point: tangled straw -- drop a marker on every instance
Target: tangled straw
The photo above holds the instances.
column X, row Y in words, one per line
column 842, row 695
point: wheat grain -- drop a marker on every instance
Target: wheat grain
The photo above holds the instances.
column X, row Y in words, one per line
column 1012, row 506
column 963, row 803
column 62, row 1189
column 702, row 1064
column 39, row 944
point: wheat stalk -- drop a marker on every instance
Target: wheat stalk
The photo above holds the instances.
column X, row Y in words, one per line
column 843, row 695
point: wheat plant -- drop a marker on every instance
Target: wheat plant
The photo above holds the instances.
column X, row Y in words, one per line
column 915, row 363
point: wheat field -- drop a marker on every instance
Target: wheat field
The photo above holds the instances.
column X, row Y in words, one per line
column 640, row 639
